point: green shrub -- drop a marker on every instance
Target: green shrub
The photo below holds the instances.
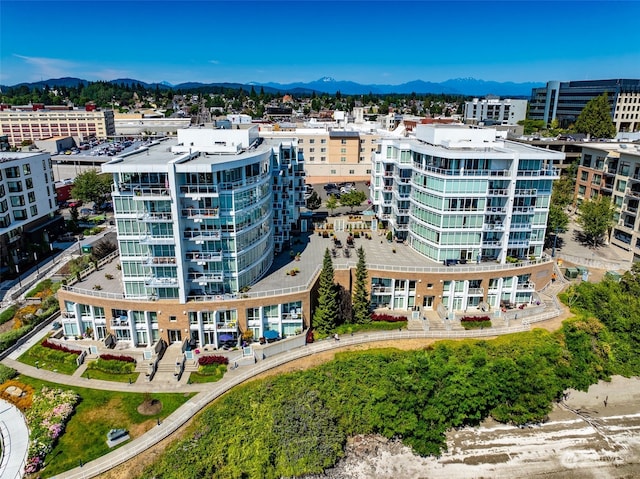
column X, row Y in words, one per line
column 10, row 338
column 41, row 286
column 112, row 366
column 7, row 314
column 7, row 373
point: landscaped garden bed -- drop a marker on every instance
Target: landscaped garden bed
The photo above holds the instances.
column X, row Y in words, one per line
column 475, row 322
column 52, row 356
column 111, row 367
column 210, row 369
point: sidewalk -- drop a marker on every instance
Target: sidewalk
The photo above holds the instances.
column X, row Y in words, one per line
column 15, row 441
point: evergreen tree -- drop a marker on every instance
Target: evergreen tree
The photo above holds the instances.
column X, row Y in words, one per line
column 595, row 119
column 360, row 303
column 324, row 317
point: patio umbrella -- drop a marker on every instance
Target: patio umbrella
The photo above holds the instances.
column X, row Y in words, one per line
column 271, row 334
column 226, row 337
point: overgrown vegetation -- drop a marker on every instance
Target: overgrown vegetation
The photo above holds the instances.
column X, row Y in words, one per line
column 415, row 395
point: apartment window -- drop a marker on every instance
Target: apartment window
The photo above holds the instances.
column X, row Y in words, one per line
column 343, row 159
column 29, row 182
column 32, row 197
column 323, row 141
column 343, row 150
column 584, row 176
column 12, row 172
column 312, row 158
column 312, row 141
column 17, row 200
column 301, row 140
column 34, row 210
column 352, row 172
column 597, row 179
column 621, row 186
column 343, row 141
column 173, row 319
column 323, row 158
column 333, row 172
column 582, row 189
column 312, row 150
column 19, row 215
column 26, row 169
column 323, row 150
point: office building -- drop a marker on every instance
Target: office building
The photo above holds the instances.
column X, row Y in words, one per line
column 457, row 193
column 35, row 122
column 565, row 101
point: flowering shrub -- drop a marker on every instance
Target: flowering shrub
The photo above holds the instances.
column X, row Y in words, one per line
column 115, row 357
column 389, row 318
column 58, row 347
column 475, row 322
column 215, row 359
column 47, row 416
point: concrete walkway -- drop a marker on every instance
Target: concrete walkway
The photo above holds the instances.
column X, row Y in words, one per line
column 14, row 435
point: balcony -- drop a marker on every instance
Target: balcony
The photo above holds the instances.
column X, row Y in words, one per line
column 120, row 322
column 493, row 227
column 476, row 291
column 156, row 240
column 202, row 235
column 206, row 277
column 155, row 218
column 161, row 282
column 202, row 257
column 498, row 192
column 492, row 243
column 526, row 192
column 523, row 209
column 227, row 326
column 160, row 261
column 200, row 213
column 496, row 209
column 151, row 192
column 520, row 227
column 528, row 286
column 518, row 243
column 194, row 191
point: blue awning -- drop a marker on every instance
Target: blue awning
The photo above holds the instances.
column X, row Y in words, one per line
column 226, row 337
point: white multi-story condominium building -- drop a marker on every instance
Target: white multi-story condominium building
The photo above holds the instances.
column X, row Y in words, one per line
column 457, row 193
column 27, row 206
column 613, row 170
column 38, row 122
column 495, row 111
column 205, row 215
column 565, row 101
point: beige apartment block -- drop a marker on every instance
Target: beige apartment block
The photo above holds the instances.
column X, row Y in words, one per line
column 627, row 111
column 38, row 122
column 333, row 154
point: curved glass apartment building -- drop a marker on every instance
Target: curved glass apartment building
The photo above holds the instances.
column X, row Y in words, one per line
column 460, row 194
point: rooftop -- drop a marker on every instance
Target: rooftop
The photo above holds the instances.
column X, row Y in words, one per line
column 378, row 252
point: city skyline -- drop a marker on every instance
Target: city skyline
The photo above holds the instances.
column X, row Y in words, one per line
column 375, row 42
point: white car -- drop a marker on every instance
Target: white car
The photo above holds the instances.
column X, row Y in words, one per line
column 346, row 189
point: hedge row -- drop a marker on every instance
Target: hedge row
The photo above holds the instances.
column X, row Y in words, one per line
column 58, row 347
column 116, row 357
column 215, row 359
column 389, row 318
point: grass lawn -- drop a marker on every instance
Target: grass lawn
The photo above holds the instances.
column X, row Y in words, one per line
column 50, row 359
column 104, row 376
column 372, row 326
column 97, row 413
column 211, row 377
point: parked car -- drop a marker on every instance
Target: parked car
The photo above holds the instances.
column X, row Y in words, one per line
column 334, row 192
column 75, row 204
column 331, row 186
column 346, row 189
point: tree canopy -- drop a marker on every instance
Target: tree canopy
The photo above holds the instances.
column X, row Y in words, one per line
column 595, row 119
column 595, row 218
column 91, row 187
column 361, row 304
column 353, row 198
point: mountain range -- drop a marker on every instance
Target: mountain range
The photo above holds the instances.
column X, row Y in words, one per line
column 456, row 86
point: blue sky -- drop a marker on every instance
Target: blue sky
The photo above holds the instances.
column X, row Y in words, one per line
column 376, row 42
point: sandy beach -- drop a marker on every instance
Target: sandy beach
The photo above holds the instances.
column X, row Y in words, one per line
column 594, row 434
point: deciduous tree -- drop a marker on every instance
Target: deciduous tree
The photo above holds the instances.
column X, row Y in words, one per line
column 91, row 186
column 596, row 217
